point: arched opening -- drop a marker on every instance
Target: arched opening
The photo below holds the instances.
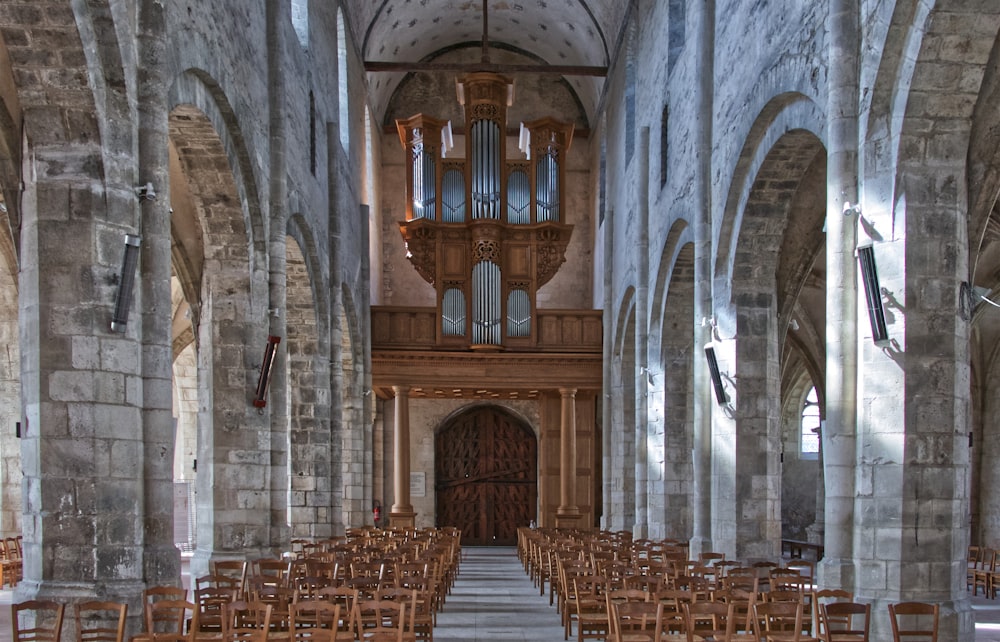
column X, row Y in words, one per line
column 486, row 471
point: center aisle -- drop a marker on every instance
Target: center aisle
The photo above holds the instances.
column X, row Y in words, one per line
column 493, row 599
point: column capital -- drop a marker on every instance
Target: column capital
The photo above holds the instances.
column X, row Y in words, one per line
column 401, row 390
column 567, row 393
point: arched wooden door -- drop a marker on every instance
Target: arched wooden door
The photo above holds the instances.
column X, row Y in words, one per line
column 486, row 466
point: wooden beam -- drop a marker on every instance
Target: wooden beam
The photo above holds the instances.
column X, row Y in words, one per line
column 468, row 67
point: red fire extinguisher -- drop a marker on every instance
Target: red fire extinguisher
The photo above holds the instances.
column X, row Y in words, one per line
column 377, row 511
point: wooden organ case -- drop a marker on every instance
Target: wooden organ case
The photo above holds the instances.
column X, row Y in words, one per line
column 485, row 231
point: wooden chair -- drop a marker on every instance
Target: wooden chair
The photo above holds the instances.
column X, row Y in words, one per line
column 806, row 569
column 346, row 597
column 407, row 597
column 276, row 571
column 633, row 621
column 973, row 559
column 983, row 574
column 739, row 621
column 705, row 620
column 279, row 597
column 36, row 621
column 211, row 601
column 914, row 621
column 825, row 596
column 169, row 620
column 317, row 621
column 380, row 621
column 780, row 622
column 235, row 569
column 100, row 621
column 246, row 621
column 739, row 628
column 844, row 622
column 10, row 562
column 591, row 607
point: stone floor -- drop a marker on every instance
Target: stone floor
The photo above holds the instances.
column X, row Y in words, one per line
column 494, row 601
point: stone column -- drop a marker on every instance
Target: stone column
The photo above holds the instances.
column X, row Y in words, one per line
column 701, row 538
column 641, row 373
column 839, row 435
column 161, row 559
column 402, row 515
column 278, row 14
column 568, row 513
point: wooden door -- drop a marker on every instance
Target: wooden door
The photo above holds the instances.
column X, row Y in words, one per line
column 486, row 476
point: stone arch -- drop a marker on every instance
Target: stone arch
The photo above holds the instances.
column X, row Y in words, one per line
column 778, row 231
column 356, row 427
column 671, row 341
column 228, row 298
column 308, row 374
column 783, row 114
column 619, row 438
column 11, row 126
column 984, row 269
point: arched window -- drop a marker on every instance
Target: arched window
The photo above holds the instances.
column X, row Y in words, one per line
column 809, row 426
column 300, row 21
column 630, row 95
column 343, row 102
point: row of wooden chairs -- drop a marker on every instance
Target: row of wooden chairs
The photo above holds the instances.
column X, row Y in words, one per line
column 983, row 569
column 11, row 557
column 42, row 621
column 577, row 566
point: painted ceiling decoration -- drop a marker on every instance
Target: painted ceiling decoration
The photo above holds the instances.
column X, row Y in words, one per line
column 571, row 39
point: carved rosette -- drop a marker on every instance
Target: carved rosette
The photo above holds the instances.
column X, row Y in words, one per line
column 486, row 250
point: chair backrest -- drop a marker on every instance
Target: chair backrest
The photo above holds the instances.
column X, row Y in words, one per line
column 211, row 601
column 272, row 569
column 704, row 619
column 36, row 621
column 236, row 569
column 381, row 620
column 98, row 621
column 246, row 621
column 825, row 596
column 784, row 618
column 314, row 621
column 165, row 620
column 847, row 621
column 912, row 621
column 174, row 618
column 633, row 617
column 220, row 581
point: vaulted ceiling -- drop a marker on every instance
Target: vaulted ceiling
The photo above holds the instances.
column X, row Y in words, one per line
column 573, row 39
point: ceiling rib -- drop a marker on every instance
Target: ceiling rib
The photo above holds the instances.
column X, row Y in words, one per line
column 560, row 70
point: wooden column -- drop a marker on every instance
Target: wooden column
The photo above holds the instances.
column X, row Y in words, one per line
column 401, row 515
column 568, row 513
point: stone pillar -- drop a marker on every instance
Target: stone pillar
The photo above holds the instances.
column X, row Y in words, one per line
column 83, row 394
column 402, row 515
column 568, row 513
column 839, row 441
column 161, row 559
column 641, row 373
column 278, row 15
column 701, row 537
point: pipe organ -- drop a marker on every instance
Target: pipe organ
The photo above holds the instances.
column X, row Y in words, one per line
column 485, row 231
